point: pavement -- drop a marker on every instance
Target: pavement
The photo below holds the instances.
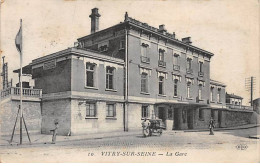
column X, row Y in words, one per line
column 46, row 139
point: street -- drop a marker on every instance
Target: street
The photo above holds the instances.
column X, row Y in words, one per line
column 224, row 146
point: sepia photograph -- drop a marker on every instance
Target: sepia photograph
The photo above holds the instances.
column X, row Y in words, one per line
column 151, row 81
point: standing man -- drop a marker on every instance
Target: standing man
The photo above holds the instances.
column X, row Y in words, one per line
column 54, row 132
column 211, row 126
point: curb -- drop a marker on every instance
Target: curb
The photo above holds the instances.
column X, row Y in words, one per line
column 222, row 129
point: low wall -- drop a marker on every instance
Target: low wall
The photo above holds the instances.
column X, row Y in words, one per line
column 31, row 113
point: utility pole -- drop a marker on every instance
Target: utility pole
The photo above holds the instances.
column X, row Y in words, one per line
column 250, row 86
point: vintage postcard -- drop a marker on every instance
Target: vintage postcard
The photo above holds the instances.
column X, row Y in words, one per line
column 129, row 81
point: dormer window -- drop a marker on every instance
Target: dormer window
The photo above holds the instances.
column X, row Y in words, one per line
column 122, row 45
column 103, row 48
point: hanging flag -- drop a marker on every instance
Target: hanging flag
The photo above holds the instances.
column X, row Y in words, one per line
column 18, row 39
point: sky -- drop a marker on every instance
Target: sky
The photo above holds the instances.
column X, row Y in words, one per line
column 227, row 28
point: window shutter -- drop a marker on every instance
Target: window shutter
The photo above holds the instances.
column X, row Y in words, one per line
column 148, row 112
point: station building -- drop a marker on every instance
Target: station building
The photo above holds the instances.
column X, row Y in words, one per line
column 114, row 78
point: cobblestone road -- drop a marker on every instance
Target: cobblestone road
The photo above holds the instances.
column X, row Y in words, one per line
column 196, row 146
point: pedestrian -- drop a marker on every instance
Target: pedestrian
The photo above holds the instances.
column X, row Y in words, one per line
column 211, row 126
column 54, row 132
column 146, row 127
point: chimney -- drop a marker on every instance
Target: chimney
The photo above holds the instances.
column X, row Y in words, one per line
column 186, row 40
column 162, row 28
column 94, row 20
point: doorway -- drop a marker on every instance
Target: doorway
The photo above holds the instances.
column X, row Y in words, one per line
column 162, row 115
column 176, row 116
column 190, row 118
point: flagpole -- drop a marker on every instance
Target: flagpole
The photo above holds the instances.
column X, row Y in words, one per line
column 21, row 88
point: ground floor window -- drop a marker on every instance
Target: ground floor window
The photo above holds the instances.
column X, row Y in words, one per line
column 90, row 109
column 145, row 111
column 111, row 111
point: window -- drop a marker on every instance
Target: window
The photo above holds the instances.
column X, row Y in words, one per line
column 175, row 88
column 144, row 50
column 122, row 44
column 200, row 66
column 176, row 65
column 219, row 98
column 211, row 94
column 161, row 55
column 144, row 82
column 111, row 111
column 145, row 113
column 201, row 114
column 189, row 60
column 90, row 74
column 109, row 78
column 176, row 59
column 200, row 92
column 161, row 82
column 188, row 90
column 90, row 110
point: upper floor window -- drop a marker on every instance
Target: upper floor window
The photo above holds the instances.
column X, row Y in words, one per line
column 161, row 61
column 211, row 94
column 219, row 96
column 144, row 82
column 90, row 110
column 161, row 85
column 200, row 92
column 189, row 65
column 109, row 78
column 111, row 110
column 189, row 60
column 90, row 69
column 175, row 88
column 145, row 111
column 200, row 66
column 188, row 90
column 144, row 54
column 176, row 65
column 161, row 55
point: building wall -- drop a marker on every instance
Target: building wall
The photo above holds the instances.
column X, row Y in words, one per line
column 78, row 81
column 57, row 79
column 56, row 110
column 80, row 124
column 134, row 51
column 31, row 113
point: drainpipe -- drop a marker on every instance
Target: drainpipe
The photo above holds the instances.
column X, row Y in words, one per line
column 125, row 118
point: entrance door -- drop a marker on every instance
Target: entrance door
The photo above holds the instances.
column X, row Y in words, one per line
column 162, row 115
column 219, row 118
column 190, row 119
column 176, row 119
